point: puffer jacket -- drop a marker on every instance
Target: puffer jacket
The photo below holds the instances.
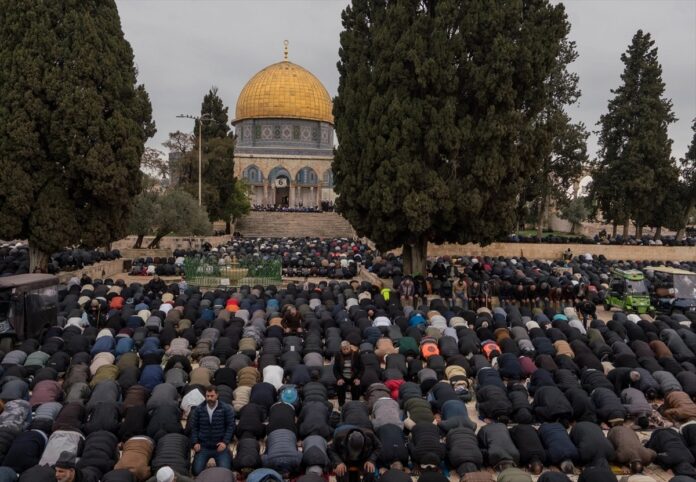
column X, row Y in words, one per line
column 463, row 450
column 384, row 411
column 394, row 447
column 210, row 434
column 551, row 405
column 16, row 416
column 100, row 452
column 136, row 455
column 425, row 443
column 281, row 451
column 104, row 416
column 314, row 420
column 173, row 450
column 635, row 402
column 608, row 404
column 679, row 407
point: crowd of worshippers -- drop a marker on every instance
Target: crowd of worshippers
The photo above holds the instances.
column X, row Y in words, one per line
column 102, row 395
column 602, row 237
column 474, row 282
column 14, row 259
column 334, row 258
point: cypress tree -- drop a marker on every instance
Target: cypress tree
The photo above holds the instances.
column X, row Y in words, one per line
column 634, row 160
column 688, row 186
column 73, row 124
column 436, row 105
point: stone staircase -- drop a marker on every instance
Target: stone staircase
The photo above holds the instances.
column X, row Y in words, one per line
column 261, row 224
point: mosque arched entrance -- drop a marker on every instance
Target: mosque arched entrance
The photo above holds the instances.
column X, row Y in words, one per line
column 280, row 181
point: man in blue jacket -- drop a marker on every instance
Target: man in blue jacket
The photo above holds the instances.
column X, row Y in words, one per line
column 212, row 427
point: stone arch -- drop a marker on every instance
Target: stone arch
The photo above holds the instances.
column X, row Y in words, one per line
column 328, row 178
column 307, row 177
column 279, row 171
column 253, row 174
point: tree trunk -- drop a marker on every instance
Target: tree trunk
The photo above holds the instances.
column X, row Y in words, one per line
column 639, row 231
column 627, row 225
column 155, row 242
column 658, row 233
column 540, row 219
column 228, row 227
column 415, row 257
column 613, row 230
column 37, row 259
column 139, row 241
column 680, row 234
column 574, row 228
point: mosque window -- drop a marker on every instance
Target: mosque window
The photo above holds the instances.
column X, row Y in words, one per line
column 252, row 174
column 296, row 132
column 276, row 132
column 307, row 176
column 328, row 178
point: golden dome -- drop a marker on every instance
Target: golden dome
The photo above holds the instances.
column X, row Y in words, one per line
column 284, row 90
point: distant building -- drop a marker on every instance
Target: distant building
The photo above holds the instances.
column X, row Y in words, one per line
column 285, row 137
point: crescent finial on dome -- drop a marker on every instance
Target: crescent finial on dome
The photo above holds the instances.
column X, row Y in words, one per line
column 285, row 50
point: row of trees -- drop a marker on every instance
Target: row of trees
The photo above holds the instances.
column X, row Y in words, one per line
column 635, row 177
column 73, row 127
column 223, row 196
column 453, row 126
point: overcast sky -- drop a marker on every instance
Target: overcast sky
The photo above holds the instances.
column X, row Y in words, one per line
column 183, row 47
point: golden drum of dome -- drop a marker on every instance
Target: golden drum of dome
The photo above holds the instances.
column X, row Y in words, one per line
column 284, row 90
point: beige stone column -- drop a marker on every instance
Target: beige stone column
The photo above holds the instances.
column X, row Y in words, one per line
column 265, row 192
column 318, row 200
column 291, row 201
column 311, row 196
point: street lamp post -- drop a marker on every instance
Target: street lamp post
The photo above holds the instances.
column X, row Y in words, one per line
column 200, row 119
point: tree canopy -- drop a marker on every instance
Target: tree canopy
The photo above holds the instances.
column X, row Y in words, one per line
column 436, row 107
column 634, row 161
column 218, row 186
column 73, row 124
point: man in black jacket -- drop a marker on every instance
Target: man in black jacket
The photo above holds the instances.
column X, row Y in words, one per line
column 347, row 371
column 352, row 451
column 212, row 427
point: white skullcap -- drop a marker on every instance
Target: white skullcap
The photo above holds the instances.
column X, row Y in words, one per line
column 165, row 474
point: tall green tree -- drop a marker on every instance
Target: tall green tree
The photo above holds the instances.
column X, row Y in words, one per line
column 73, row 125
column 688, row 186
column 634, row 159
column 177, row 211
column 218, row 186
column 436, row 104
column 559, row 144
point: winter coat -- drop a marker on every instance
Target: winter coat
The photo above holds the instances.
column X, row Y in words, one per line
column 667, row 381
column 134, row 423
column 394, row 447
column 208, row 433
column 628, row 448
column 557, row 443
column 425, row 446
column 164, row 420
column 455, row 414
column 513, row 474
column 136, row 455
column 247, row 455
column 583, row 408
column 16, row 416
column 71, row 417
column 172, row 450
column 104, row 416
column 100, row 452
column 338, row 448
column 26, row 450
column 251, row 421
column 608, row 405
column 463, row 450
column 529, row 444
column 551, row 405
column 386, row 411
column 45, row 391
column 61, row 441
column 496, row 445
column 315, row 451
column 635, row 402
column 593, row 446
column 679, row 407
column 214, row 474
column 281, row 451
column 672, row 452
column 492, row 402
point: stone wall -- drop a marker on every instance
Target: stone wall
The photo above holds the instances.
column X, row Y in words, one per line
column 104, row 269
column 555, row 251
column 172, row 242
